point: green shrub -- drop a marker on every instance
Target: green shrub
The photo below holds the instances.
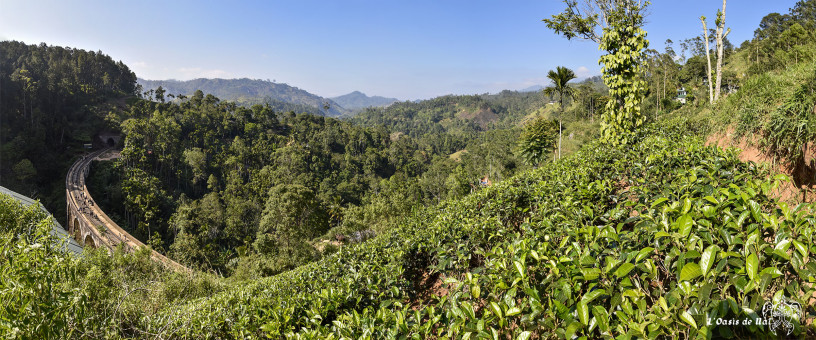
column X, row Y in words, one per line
column 793, row 124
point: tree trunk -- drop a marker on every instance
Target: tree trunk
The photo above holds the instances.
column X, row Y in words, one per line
column 560, row 116
column 708, row 59
column 24, row 107
column 591, row 110
column 720, row 37
column 559, row 137
column 665, row 75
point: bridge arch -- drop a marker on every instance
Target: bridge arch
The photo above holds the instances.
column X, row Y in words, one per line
column 75, row 228
column 89, row 241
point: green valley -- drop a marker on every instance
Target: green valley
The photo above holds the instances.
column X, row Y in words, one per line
column 673, row 196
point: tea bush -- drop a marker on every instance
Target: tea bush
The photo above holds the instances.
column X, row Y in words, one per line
column 37, row 298
column 48, row 294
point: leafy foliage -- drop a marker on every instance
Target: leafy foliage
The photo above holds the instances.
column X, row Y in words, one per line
column 625, row 42
column 538, row 140
column 33, row 282
column 49, row 294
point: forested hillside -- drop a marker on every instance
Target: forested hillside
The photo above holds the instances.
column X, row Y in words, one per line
column 248, row 92
column 519, row 258
column 254, row 192
column 250, row 191
column 53, row 100
column 222, row 177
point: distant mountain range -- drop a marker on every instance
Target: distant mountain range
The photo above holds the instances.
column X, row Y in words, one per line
column 281, row 97
column 534, row 88
column 358, row 100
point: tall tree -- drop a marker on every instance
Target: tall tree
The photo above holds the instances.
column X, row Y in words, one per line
column 560, row 76
column 669, row 66
column 620, row 23
column 721, row 34
column 708, row 59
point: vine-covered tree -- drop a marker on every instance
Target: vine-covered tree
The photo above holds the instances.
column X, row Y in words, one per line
column 616, row 25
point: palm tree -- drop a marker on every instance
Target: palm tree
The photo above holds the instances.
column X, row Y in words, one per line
column 560, row 76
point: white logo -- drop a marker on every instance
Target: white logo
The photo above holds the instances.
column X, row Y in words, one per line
column 781, row 315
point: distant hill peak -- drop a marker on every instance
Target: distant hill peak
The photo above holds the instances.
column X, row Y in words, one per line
column 248, row 91
column 357, row 100
column 533, row 88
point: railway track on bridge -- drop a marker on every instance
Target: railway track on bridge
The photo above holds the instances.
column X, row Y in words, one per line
column 89, row 225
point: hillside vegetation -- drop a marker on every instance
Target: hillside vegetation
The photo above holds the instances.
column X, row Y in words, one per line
column 653, row 238
column 254, row 192
column 685, row 234
column 772, row 114
column 702, row 240
column 450, row 218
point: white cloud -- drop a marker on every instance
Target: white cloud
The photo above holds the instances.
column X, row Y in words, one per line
column 197, row 72
column 583, row 72
column 542, row 81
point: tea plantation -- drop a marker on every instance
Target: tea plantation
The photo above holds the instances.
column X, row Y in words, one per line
column 654, row 239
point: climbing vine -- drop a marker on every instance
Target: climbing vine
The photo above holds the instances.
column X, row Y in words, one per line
column 625, row 41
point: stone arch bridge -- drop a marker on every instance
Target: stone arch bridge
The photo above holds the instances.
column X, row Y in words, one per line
column 89, row 225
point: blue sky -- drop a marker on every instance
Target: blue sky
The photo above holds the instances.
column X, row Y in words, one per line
column 405, row 49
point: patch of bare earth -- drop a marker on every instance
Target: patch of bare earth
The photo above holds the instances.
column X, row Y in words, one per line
column 427, row 286
column 801, row 188
column 320, row 246
column 482, row 117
